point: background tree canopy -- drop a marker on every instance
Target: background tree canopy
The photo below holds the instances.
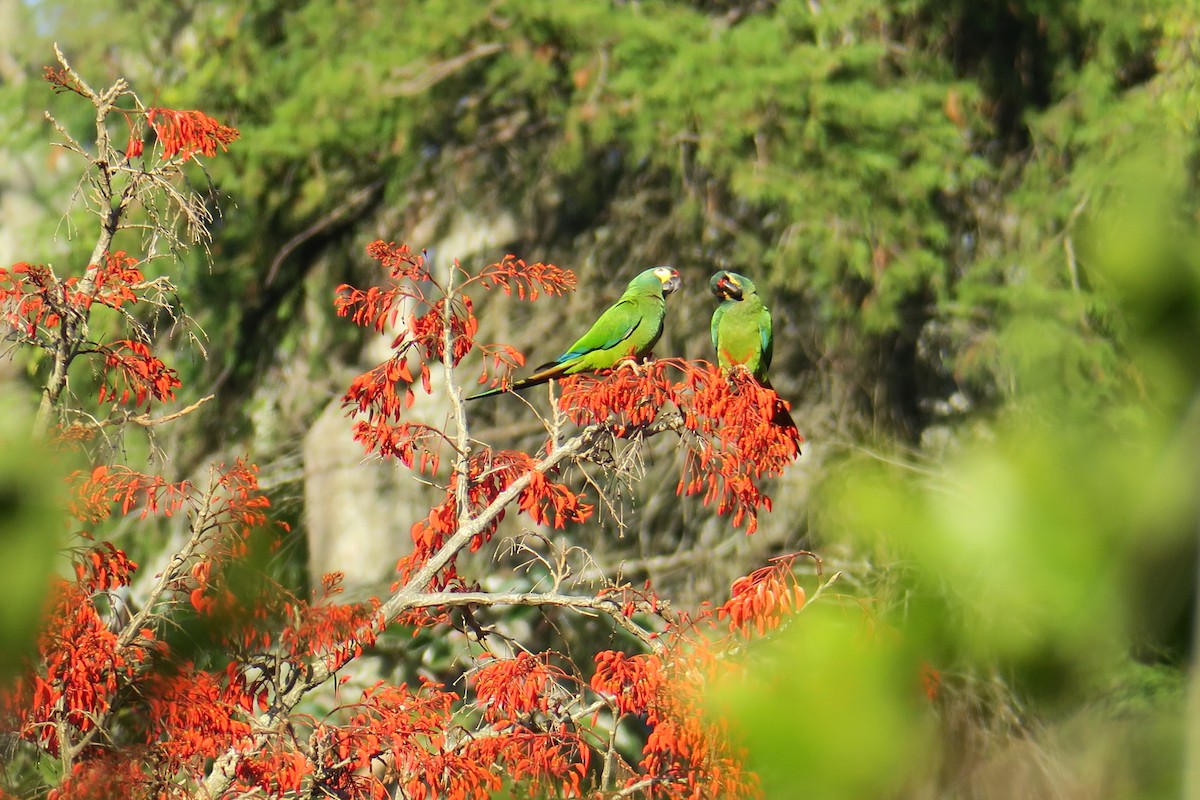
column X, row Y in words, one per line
column 904, row 178
column 974, row 221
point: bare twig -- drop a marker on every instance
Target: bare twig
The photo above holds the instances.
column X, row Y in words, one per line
column 353, row 202
column 144, row 420
column 608, row 606
column 634, row 788
column 821, row 589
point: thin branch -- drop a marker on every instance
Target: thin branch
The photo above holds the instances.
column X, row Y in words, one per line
column 351, row 203
column 144, row 420
column 604, row 605
column 436, row 73
column 681, row 559
column 70, row 142
column 462, row 460
column 634, row 788
column 86, row 90
column 473, row 526
column 821, row 589
column 885, row 459
column 610, row 753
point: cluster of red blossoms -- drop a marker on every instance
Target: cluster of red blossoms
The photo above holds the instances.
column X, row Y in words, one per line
column 727, row 418
column 34, row 302
column 183, row 134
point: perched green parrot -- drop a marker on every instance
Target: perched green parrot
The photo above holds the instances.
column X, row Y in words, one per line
column 627, row 329
column 741, row 332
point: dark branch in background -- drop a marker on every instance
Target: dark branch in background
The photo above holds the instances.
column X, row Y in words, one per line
column 412, row 80
column 338, row 214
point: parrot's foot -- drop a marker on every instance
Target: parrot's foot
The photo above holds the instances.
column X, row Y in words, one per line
column 634, row 364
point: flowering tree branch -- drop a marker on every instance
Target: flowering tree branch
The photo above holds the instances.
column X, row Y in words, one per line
column 73, row 330
column 117, row 187
column 141, row 629
column 414, row 596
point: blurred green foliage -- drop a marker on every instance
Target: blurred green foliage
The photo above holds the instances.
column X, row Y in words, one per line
column 32, row 523
column 1056, row 549
column 832, row 711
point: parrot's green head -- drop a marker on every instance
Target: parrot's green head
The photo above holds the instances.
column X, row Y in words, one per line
column 728, row 285
column 667, row 277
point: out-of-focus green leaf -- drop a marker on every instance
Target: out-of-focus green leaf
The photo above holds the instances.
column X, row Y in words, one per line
column 831, row 709
column 31, row 527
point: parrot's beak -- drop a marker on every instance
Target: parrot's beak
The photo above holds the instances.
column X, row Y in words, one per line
column 730, row 288
column 672, row 283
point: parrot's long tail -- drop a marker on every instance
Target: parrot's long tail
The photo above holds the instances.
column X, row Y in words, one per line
column 781, row 417
column 542, row 374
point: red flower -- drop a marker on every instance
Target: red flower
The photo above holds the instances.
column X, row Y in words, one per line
column 131, row 371
column 185, row 133
column 511, row 688
column 764, row 598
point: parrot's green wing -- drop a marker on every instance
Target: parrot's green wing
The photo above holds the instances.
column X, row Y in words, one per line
column 766, row 338
column 615, row 326
column 714, row 328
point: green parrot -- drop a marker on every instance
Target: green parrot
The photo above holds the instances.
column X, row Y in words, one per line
column 627, row 329
column 741, row 332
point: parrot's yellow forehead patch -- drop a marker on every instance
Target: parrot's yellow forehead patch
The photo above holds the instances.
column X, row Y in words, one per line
column 664, row 274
